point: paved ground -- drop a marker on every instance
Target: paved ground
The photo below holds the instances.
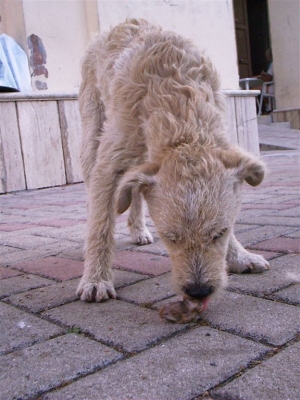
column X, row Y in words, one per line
column 246, row 346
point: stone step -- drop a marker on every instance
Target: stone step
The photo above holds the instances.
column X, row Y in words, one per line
column 277, row 130
column 264, row 119
column 278, row 143
column 278, row 136
column 280, row 124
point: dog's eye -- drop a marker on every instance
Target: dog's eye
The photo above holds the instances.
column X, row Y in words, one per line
column 220, row 234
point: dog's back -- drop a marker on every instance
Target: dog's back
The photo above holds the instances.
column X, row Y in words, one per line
column 136, row 71
column 104, row 54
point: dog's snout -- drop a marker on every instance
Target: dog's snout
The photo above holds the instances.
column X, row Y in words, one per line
column 198, row 291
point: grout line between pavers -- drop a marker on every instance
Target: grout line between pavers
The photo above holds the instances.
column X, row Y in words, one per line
column 3, row 298
column 267, row 296
column 82, row 332
column 33, row 342
column 252, row 364
column 65, row 383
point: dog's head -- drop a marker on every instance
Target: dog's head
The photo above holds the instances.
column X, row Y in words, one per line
column 193, row 199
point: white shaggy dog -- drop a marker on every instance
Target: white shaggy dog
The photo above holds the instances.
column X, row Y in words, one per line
column 153, row 125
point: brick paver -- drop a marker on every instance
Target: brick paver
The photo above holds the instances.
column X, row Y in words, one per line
column 43, row 366
column 245, row 346
column 57, row 268
column 254, row 317
column 178, row 369
column 19, row 329
column 276, row 378
column 21, row 283
column 142, row 262
column 275, row 279
column 115, row 323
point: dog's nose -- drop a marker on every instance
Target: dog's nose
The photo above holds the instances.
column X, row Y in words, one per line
column 198, row 291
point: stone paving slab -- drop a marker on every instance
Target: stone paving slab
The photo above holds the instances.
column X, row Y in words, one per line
column 60, row 222
column 20, row 229
column 29, row 241
column 12, row 227
column 7, row 249
column 75, row 233
column 268, row 255
column 262, row 320
column 142, row 262
column 40, row 299
column 240, row 228
column 123, row 242
column 76, row 253
column 267, row 220
column 56, row 268
column 276, row 378
column 250, row 325
column 290, row 295
column 180, row 368
column 287, row 212
column 154, row 248
column 115, row 323
column 19, row 256
column 57, row 294
column 125, row 278
column 21, row 283
column 6, row 272
column 19, row 329
column 295, row 234
column 263, row 233
column 149, row 291
column 46, row 365
column 287, row 245
column 270, row 281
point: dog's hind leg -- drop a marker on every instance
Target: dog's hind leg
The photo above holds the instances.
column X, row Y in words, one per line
column 92, row 113
column 136, row 220
column 239, row 260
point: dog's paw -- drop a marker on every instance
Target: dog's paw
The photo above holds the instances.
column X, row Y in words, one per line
column 141, row 236
column 249, row 263
column 96, row 291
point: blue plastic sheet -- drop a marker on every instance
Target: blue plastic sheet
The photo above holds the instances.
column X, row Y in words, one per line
column 14, row 68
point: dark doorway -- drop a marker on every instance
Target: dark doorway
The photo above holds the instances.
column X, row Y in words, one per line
column 242, row 38
column 252, row 35
column 258, row 21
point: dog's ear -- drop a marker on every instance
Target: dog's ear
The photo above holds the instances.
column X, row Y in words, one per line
column 140, row 178
column 246, row 165
column 252, row 170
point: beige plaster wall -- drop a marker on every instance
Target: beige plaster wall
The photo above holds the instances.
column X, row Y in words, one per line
column 210, row 23
column 12, row 20
column 61, row 26
column 65, row 27
column 285, row 34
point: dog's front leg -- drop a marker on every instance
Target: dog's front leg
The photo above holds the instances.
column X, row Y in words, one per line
column 239, row 260
column 96, row 283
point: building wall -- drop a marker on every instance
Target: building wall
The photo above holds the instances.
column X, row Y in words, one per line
column 59, row 31
column 65, row 27
column 209, row 23
column 62, row 30
column 285, row 28
column 12, row 20
column 61, row 27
